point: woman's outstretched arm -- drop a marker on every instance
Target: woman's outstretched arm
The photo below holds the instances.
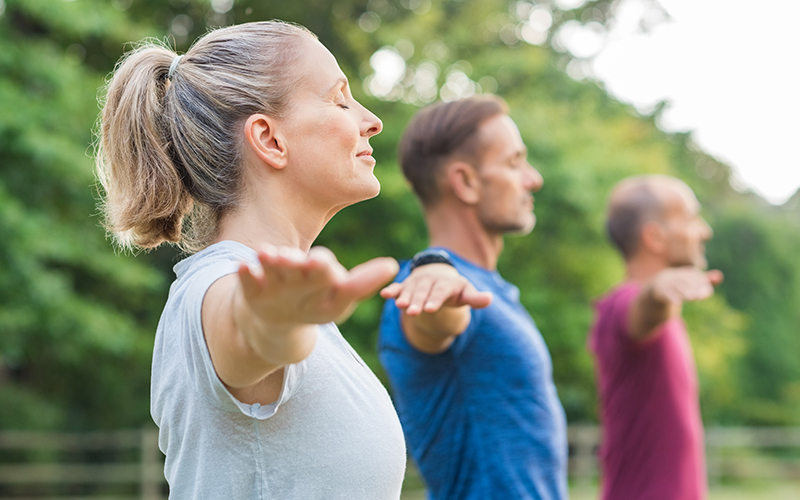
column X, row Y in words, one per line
column 264, row 317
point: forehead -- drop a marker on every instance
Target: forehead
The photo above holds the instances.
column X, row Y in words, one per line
column 680, row 199
column 317, row 69
column 499, row 135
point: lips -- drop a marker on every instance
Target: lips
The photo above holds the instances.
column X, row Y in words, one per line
column 366, row 152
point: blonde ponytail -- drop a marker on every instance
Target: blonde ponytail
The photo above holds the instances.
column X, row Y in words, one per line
column 169, row 149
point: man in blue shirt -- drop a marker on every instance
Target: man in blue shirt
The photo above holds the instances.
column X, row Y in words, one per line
column 471, row 374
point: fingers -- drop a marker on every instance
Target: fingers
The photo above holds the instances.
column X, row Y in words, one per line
column 281, row 264
column 312, row 287
column 715, row 276
column 365, row 279
column 415, row 292
column 392, row 291
column 690, row 284
column 435, row 299
column 475, row 299
column 293, row 266
column 420, row 296
column 251, row 284
column 323, row 265
column 431, row 288
column 677, row 285
column 697, row 291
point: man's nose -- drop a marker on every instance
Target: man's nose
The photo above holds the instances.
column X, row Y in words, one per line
column 535, row 181
column 707, row 232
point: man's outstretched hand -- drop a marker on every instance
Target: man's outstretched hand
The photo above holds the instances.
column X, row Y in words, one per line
column 662, row 297
column 429, row 288
column 437, row 303
column 679, row 284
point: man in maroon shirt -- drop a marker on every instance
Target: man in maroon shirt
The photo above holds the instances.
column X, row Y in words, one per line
column 653, row 435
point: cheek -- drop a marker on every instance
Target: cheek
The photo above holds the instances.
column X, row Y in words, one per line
column 332, row 131
column 345, row 133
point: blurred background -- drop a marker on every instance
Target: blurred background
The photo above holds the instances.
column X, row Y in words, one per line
column 77, row 319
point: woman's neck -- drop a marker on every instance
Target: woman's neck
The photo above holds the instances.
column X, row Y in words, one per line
column 272, row 218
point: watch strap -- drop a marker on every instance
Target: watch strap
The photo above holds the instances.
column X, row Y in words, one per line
column 430, row 256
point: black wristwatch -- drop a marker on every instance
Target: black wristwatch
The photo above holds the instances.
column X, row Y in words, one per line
column 431, row 256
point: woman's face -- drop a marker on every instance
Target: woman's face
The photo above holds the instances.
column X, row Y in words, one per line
column 327, row 133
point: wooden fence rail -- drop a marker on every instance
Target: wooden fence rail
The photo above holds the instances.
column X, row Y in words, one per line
column 95, row 465
column 128, row 464
column 731, row 452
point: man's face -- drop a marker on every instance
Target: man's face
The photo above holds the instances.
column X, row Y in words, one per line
column 686, row 230
column 506, row 179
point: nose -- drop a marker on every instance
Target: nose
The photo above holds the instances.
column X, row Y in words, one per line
column 370, row 124
column 534, row 180
column 706, row 230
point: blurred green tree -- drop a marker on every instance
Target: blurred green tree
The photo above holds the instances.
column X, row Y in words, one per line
column 76, row 320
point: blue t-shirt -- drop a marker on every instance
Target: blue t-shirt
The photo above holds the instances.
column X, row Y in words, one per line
column 482, row 419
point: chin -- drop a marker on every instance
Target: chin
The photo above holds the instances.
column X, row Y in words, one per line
column 527, row 227
column 375, row 188
column 368, row 190
column 522, row 228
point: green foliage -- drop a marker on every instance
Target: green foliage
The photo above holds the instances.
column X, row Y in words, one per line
column 77, row 321
column 74, row 317
column 756, row 246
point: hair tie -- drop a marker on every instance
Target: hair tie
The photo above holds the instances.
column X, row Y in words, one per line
column 173, row 66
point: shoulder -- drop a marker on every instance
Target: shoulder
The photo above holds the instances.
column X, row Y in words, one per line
column 619, row 298
column 611, row 313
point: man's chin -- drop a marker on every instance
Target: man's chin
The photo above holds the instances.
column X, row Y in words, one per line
column 523, row 229
column 701, row 264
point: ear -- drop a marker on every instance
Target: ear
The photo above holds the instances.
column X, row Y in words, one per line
column 264, row 140
column 653, row 238
column 463, row 181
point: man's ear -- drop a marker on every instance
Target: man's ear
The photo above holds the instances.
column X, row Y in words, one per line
column 265, row 141
column 463, row 181
column 653, row 237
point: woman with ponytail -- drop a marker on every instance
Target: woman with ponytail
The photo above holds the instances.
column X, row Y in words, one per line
column 239, row 152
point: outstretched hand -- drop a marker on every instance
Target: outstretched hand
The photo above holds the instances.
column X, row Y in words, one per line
column 265, row 316
column 293, row 288
column 434, row 286
column 662, row 297
column 444, row 296
column 676, row 285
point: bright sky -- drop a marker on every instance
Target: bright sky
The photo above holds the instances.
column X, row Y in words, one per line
column 730, row 70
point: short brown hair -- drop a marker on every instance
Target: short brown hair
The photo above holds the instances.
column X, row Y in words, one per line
column 440, row 132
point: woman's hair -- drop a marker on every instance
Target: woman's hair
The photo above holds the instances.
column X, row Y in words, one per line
column 169, row 145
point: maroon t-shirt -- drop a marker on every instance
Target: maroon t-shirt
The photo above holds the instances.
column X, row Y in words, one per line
column 652, row 432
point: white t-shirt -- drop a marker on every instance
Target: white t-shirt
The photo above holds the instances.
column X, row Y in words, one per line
column 332, row 434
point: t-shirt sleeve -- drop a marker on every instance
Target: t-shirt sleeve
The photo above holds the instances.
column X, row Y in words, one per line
column 621, row 310
column 198, row 359
column 616, row 318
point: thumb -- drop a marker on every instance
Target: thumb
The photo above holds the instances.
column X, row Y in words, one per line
column 365, row 279
column 715, row 276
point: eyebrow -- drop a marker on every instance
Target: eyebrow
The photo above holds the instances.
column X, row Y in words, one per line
column 341, row 82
